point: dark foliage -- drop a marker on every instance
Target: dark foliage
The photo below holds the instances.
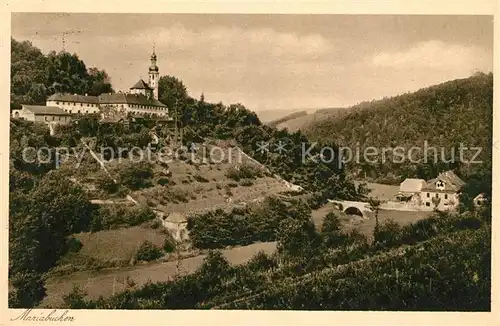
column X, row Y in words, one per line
column 35, row 76
column 28, row 291
column 242, row 226
column 148, row 252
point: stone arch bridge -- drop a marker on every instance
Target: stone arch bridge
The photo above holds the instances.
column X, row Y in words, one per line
column 353, row 207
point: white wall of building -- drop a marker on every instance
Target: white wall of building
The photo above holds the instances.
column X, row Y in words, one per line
column 86, row 108
column 447, row 201
column 75, row 107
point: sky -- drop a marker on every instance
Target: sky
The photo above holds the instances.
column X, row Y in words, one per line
column 273, row 61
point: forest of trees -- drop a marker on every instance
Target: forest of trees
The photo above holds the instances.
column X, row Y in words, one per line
column 446, row 115
column 35, row 76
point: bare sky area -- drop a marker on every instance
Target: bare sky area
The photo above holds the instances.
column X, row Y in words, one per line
column 273, row 61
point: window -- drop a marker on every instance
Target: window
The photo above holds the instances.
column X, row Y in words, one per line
column 428, row 195
column 445, row 196
column 427, row 204
column 437, row 195
column 53, row 118
column 46, row 118
column 57, row 102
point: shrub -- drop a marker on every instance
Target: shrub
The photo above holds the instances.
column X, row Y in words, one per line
column 261, row 262
column 246, row 183
column 331, row 223
column 317, row 199
column 148, row 252
column 155, row 224
column 76, row 299
column 245, row 171
column 355, row 238
column 248, row 171
column 139, row 215
column 74, row 245
column 169, row 243
column 29, row 290
column 135, row 175
column 243, row 225
column 177, row 195
column 468, row 222
column 163, row 181
column 114, row 217
column 331, row 230
column 199, row 178
column 388, row 234
column 297, row 238
column 104, row 182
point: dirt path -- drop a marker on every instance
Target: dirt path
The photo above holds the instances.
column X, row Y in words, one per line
column 102, row 282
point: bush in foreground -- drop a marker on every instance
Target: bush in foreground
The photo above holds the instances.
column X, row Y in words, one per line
column 148, row 252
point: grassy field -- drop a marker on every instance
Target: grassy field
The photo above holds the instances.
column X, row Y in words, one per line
column 97, row 283
column 366, row 226
column 381, row 191
column 403, row 218
column 120, row 244
column 319, row 214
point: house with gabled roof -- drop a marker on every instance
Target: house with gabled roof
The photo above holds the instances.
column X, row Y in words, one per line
column 42, row 113
column 409, row 191
column 443, row 192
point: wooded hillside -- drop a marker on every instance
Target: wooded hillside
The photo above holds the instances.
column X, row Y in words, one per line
column 445, row 115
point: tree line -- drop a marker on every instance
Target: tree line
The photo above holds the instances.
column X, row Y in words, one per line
column 35, row 76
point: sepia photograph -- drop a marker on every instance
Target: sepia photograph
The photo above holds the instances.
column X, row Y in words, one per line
column 163, row 161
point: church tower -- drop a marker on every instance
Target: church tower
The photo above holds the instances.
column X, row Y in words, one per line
column 154, row 75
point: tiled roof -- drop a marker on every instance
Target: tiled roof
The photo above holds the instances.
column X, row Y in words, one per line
column 176, row 218
column 452, row 183
column 411, row 185
column 45, row 110
column 108, row 98
column 141, row 84
column 124, row 98
column 65, row 97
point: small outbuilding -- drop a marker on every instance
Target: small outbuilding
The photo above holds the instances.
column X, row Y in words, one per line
column 176, row 224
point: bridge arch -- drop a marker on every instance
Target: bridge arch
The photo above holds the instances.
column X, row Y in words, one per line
column 351, row 210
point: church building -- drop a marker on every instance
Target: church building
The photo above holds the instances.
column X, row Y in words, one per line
column 141, row 99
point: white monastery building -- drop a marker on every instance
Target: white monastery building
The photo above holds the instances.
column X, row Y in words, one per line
column 142, row 98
